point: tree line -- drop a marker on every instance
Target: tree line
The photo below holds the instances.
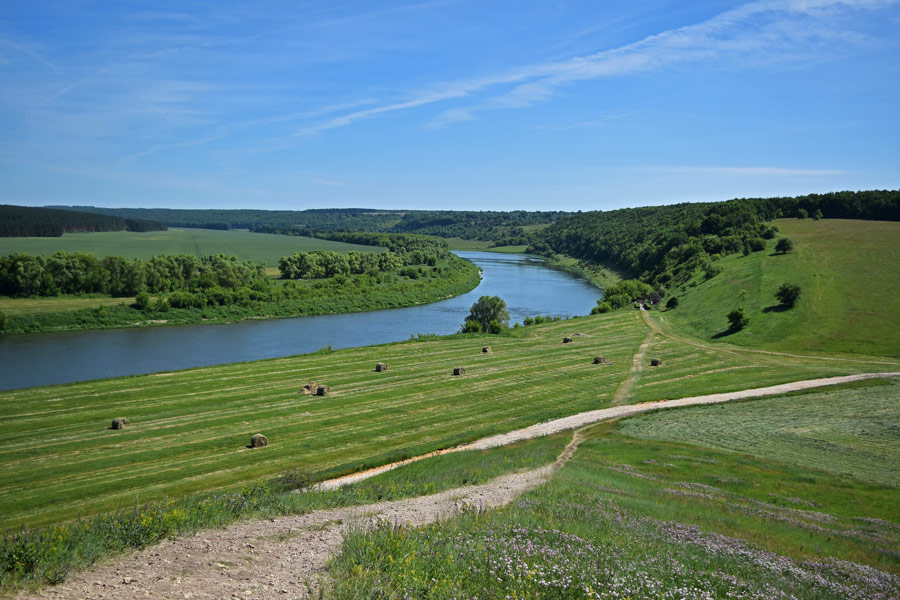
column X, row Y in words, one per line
column 27, row 221
column 664, row 245
column 23, row 275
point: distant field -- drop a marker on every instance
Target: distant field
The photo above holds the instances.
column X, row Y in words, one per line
column 26, row 306
column 849, row 272
column 258, row 247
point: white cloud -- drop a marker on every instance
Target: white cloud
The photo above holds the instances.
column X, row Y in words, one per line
column 755, row 33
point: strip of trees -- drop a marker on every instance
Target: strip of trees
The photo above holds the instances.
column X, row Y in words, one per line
column 27, row 221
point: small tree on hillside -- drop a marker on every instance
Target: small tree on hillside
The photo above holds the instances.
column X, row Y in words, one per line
column 489, row 313
column 787, row 294
column 737, row 319
column 784, row 245
column 672, row 303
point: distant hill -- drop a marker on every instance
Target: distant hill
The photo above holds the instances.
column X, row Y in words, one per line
column 849, row 275
column 27, row 221
column 503, row 227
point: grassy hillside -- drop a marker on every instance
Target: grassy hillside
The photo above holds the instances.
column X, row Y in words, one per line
column 630, row 517
column 59, row 460
column 849, row 272
column 258, row 247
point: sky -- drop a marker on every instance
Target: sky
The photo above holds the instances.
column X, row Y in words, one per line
column 445, row 104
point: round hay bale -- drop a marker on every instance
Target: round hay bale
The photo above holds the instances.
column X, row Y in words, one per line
column 322, row 390
column 380, row 367
column 459, row 370
column 258, row 440
column 655, row 362
column 120, row 423
column 567, row 340
column 600, row 360
column 487, row 350
column 309, row 388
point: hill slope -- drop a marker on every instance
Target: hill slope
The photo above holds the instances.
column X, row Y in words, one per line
column 849, row 272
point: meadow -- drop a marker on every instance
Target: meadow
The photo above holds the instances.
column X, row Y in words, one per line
column 847, row 273
column 59, row 460
column 259, row 247
column 632, row 515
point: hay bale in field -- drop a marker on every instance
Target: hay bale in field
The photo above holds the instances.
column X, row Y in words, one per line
column 655, row 362
column 322, row 390
column 459, row 370
column 258, row 440
column 601, row 360
column 487, row 350
column 380, row 367
column 120, row 423
column 567, row 340
column 309, row 388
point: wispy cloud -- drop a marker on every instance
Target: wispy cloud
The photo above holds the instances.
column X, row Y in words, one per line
column 29, row 52
column 751, row 171
column 755, row 33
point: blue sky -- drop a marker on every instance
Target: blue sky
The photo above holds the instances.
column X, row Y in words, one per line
column 570, row 105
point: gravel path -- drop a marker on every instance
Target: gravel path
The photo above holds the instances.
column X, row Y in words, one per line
column 285, row 557
column 276, row 558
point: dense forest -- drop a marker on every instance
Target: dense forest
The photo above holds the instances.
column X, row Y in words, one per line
column 26, row 221
column 663, row 245
column 481, row 225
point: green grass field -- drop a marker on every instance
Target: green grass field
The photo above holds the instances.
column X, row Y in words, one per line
column 849, row 272
column 643, row 517
column 258, row 247
column 59, row 460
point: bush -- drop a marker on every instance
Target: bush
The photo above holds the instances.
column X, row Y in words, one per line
column 784, row 245
column 802, row 213
column 601, row 308
column 737, row 319
column 672, row 303
column 788, row 294
column 142, row 301
column 471, row 326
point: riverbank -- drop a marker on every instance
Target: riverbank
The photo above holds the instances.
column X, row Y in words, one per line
column 338, row 295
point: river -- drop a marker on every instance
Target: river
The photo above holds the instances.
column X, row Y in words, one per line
column 528, row 286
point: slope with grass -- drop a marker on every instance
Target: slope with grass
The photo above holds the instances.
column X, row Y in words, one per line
column 629, row 517
column 849, row 273
column 258, row 247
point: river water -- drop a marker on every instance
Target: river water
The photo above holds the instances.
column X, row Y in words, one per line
column 528, row 286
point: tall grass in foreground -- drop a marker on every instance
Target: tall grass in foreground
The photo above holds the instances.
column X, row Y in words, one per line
column 48, row 555
column 632, row 518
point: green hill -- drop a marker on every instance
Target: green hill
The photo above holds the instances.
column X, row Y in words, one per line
column 849, row 274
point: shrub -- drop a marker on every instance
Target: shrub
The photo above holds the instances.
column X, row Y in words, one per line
column 788, row 294
column 602, row 307
column 672, row 303
column 737, row 319
column 142, row 301
column 784, row 245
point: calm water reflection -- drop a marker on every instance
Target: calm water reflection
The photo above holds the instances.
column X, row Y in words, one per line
column 528, row 286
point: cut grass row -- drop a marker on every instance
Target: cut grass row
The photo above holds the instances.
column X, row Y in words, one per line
column 258, row 247
column 59, row 461
column 648, row 518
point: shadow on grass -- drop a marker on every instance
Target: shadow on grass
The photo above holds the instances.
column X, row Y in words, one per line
column 776, row 308
column 725, row 333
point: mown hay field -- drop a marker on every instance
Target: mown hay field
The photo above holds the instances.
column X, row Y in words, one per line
column 259, row 247
column 190, row 429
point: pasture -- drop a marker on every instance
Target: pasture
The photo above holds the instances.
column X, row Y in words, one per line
column 259, row 247
column 847, row 270
column 634, row 515
column 59, row 460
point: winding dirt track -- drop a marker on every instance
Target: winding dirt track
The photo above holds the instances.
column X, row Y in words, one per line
column 286, row 557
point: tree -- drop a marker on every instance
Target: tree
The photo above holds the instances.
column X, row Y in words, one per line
column 818, row 214
column 142, row 301
column 784, row 245
column 802, row 213
column 787, row 294
column 486, row 310
column 2, row 321
column 737, row 319
column 672, row 303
